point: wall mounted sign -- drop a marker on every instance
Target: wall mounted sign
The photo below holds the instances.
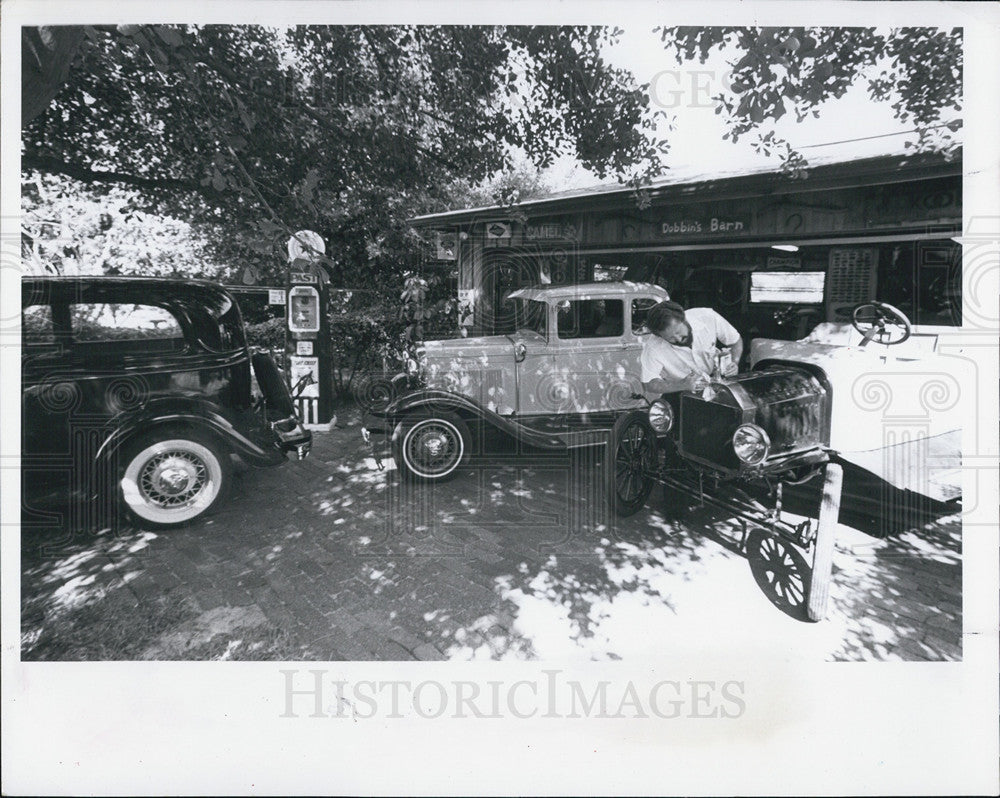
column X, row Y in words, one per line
column 498, row 230
column 466, row 306
column 303, row 347
column 713, row 226
column 445, row 245
column 275, row 296
column 549, row 231
column 940, row 199
column 534, row 232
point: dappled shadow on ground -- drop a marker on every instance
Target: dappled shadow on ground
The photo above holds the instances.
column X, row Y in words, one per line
column 68, row 580
column 904, row 594
column 514, row 559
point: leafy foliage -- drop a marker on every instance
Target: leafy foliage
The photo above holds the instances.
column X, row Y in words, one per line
column 521, row 182
column 268, row 334
column 69, row 227
column 781, row 70
column 348, row 131
column 251, row 134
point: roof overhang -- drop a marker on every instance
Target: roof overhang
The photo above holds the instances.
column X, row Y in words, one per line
column 609, row 197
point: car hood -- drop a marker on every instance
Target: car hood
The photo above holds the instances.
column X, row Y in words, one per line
column 468, row 348
column 479, row 368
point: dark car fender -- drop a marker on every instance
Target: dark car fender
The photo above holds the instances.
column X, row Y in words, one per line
column 429, row 400
column 194, row 414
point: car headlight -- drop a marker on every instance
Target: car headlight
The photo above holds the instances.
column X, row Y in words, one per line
column 661, row 416
column 751, row 443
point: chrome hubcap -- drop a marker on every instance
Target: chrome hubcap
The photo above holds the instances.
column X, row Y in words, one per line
column 433, row 448
column 172, row 478
column 433, row 444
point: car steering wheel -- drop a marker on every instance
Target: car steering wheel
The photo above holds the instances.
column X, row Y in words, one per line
column 871, row 320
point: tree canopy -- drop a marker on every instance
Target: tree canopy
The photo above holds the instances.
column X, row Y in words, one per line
column 257, row 132
column 780, row 70
column 251, row 133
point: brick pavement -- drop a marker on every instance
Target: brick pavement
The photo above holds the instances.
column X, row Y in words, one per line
column 514, row 559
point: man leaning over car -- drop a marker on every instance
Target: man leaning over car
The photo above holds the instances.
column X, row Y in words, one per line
column 679, row 354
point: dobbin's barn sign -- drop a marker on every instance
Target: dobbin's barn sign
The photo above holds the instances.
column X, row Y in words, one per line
column 695, row 226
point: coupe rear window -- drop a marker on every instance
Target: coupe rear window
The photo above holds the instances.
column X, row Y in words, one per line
column 640, row 309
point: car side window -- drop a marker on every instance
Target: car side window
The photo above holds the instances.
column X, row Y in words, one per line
column 591, row 318
column 132, row 325
column 640, row 309
column 36, row 326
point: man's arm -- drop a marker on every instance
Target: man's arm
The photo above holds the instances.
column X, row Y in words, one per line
column 661, row 385
column 736, row 351
column 728, row 338
column 655, row 379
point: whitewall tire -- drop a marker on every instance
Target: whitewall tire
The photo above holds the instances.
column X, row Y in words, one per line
column 171, row 481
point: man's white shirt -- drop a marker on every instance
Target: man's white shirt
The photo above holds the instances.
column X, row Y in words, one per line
column 662, row 360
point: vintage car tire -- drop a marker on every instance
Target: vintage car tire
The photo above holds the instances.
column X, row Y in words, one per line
column 826, row 532
column 200, row 466
column 632, row 452
column 431, row 448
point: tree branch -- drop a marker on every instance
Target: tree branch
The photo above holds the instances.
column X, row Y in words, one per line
column 46, row 56
column 51, row 165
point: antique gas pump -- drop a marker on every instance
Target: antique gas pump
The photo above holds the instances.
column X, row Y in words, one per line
column 308, row 330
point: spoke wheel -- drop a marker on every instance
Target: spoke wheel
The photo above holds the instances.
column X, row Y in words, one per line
column 781, row 572
column 632, row 457
column 432, row 448
column 171, row 481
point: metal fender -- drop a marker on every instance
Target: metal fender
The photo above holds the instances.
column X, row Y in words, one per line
column 193, row 413
column 431, row 399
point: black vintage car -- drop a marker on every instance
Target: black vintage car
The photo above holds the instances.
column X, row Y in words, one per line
column 141, row 389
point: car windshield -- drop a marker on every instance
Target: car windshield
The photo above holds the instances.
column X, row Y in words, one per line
column 531, row 316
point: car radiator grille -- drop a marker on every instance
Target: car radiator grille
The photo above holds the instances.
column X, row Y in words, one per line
column 707, row 429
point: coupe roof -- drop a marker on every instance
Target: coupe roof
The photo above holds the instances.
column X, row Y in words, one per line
column 604, row 290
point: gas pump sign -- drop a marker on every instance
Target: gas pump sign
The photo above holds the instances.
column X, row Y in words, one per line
column 303, row 309
column 305, row 377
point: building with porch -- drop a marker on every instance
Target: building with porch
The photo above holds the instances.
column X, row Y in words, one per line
column 770, row 251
